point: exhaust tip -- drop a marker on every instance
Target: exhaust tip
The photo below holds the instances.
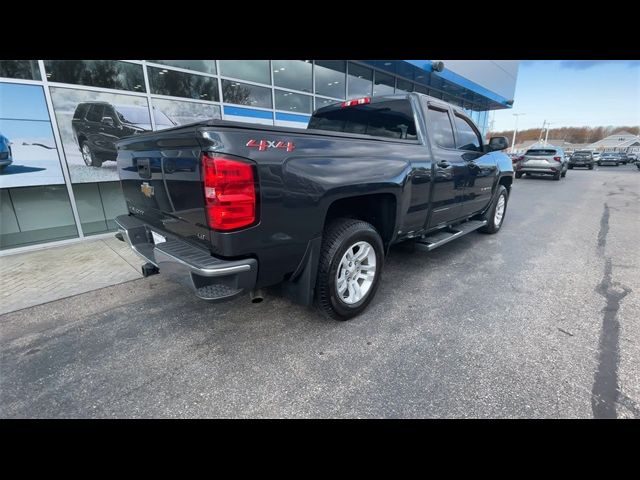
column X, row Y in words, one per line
column 256, row 296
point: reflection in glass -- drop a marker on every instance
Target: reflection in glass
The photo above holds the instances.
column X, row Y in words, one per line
column 330, row 78
column 383, row 84
column 33, row 215
column 293, row 102
column 24, row 69
column 360, row 81
column 97, row 73
column 180, row 84
column 252, row 70
column 293, row 74
column 184, row 112
column 403, row 85
column 323, row 102
column 245, row 94
column 205, row 66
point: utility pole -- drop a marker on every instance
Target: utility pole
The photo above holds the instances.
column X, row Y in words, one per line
column 542, row 131
column 547, row 134
column 515, row 130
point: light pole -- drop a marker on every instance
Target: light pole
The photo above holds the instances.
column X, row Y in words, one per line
column 546, row 136
column 515, row 130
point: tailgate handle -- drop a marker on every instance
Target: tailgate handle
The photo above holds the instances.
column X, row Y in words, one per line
column 144, row 169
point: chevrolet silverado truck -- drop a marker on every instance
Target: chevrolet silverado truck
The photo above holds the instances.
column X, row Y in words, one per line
column 247, row 206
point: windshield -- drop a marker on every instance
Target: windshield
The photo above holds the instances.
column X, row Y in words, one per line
column 541, row 151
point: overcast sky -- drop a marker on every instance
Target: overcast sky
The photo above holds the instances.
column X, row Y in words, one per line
column 574, row 93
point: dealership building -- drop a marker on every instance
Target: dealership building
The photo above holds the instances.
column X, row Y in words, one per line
column 54, row 190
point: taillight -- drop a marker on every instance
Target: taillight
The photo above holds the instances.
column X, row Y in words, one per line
column 557, row 159
column 229, row 192
column 357, row 101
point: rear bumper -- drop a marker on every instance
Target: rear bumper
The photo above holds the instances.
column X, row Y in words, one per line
column 542, row 170
column 209, row 277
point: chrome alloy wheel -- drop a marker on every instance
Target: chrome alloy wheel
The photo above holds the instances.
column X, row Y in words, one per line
column 86, row 154
column 497, row 220
column 356, row 272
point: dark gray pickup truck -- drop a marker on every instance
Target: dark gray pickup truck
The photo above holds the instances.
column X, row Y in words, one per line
column 227, row 208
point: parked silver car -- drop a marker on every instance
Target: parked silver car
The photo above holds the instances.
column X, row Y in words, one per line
column 609, row 158
column 5, row 152
column 547, row 160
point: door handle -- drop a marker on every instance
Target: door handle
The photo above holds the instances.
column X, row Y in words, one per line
column 443, row 164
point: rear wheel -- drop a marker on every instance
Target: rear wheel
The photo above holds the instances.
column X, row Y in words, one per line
column 518, row 174
column 88, row 156
column 349, row 270
column 590, row 167
column 557, row 176
column 495, row 214
column 570, row 167
column 564, row 174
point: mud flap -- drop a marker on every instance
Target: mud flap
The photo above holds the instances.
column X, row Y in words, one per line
column 301, row 286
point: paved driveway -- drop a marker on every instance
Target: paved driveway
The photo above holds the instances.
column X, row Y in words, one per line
column 540, row 320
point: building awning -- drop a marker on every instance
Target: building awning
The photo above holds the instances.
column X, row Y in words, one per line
column 446, row 85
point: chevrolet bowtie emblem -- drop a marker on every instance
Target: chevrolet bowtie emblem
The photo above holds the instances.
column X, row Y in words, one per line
column 146, row 189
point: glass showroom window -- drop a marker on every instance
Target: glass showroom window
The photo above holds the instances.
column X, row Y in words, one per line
column 293, row 102
column 252, row 70
column 169, row 113
column 245, row 94
column 204, row 66
column 23, row 69
column 323, row 102
column 97, row 73
column 331, row 78
column 293, row 74
column 181, row 84
column 34, row 199
column 404, row 85
column 360, row 81
column 383, row 84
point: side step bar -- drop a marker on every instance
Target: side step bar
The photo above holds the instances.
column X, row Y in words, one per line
column 440, row 237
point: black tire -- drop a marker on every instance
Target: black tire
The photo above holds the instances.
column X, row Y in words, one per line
column 590, row 167
column 518, row 174
column 2, row 167
column 563, row 174
column 557, row 176
column 94, row 161
column 570, row 167
column 338, row 236
column 599, row 164
column 490, row 215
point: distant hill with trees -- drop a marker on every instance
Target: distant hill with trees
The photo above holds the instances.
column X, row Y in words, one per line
column 568, row 134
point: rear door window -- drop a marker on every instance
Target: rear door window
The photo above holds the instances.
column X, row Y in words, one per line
column 81, row 111
column 439, row 124
column 95, row 113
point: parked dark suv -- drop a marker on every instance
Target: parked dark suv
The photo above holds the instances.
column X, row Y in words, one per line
column 582, row 158
column 98, row 125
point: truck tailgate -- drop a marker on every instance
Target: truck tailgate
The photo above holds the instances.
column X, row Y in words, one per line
column 161, row 182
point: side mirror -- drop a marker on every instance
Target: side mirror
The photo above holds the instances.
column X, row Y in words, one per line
column 498, row 143
column 107, row 121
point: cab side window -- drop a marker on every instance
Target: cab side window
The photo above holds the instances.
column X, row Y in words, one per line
column 468, row 137
column 439, row 124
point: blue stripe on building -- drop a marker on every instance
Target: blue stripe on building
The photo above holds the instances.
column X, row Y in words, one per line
column 247, row 112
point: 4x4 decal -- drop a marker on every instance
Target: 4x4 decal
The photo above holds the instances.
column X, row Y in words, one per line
column 262, row 145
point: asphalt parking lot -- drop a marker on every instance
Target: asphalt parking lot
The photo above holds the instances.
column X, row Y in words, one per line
column 540, row 320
